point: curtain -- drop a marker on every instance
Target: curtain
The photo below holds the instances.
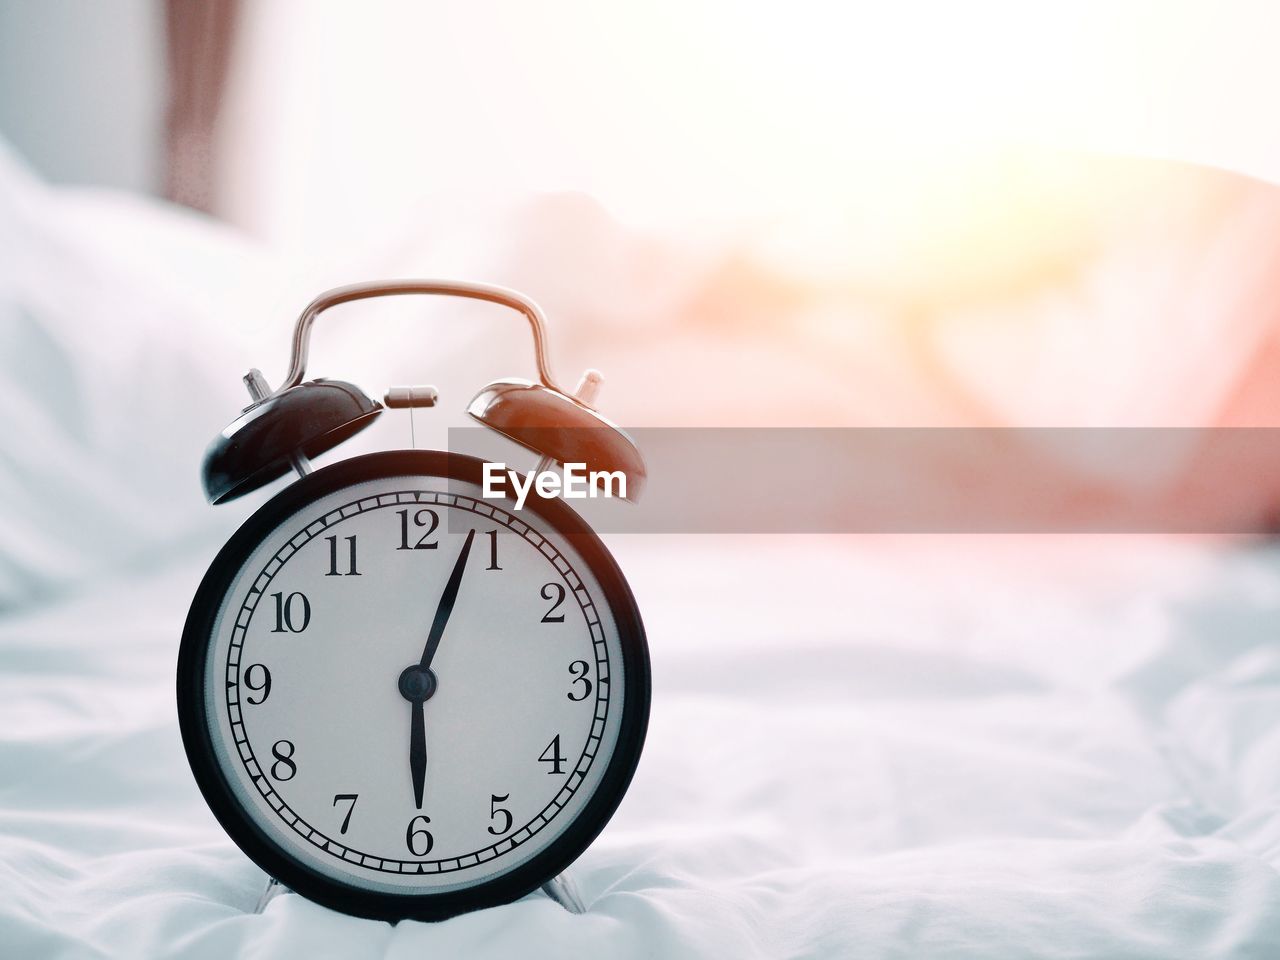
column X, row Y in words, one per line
column 199, row 37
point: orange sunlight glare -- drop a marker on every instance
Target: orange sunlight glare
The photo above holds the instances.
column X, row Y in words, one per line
column 706, row 111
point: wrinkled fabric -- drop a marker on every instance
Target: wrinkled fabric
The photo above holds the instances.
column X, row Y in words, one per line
column 872, row 747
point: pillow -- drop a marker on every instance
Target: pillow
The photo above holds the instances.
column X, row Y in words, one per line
column 113, row 377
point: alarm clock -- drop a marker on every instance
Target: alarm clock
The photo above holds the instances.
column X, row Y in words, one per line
column 400, row 697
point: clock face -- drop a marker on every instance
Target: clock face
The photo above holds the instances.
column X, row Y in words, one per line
column 405, row 699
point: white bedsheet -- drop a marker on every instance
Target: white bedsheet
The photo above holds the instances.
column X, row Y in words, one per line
column 916, row 747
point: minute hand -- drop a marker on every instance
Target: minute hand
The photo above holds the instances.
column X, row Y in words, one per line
column 446, row 603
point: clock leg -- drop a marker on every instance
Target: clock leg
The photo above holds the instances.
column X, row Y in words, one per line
column 564, row 891
column 273, row 889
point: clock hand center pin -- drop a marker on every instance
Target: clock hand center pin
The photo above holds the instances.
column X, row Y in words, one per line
column 417, row 684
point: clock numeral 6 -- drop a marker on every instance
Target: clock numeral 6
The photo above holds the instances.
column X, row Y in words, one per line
column 263, row 685
column 343, row 798
column 497, row 811
column 414, row 832
column 579, row 670
column 556, row 593
column 556, row 758
column 284, row 768
column 293, row 612
column 418, row 521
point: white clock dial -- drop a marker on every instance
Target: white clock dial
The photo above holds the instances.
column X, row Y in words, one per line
column 318, row 663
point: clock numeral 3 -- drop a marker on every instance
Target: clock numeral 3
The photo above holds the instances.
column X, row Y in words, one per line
column 556, row 759
column 263, row 685
column 414, row 832
column 333, row 558
column 497, row 811
column 291, row 617
column 579, row 670
column 553, row 591
column 284, row 768
column 418, row 521
column 343, row 798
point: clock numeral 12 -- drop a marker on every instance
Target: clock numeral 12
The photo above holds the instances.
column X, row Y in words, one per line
column 333, row 558
column 421, row 543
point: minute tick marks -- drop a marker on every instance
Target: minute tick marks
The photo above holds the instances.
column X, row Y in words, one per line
column 507, row 675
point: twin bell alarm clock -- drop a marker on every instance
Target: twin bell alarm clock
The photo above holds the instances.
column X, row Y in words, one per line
column 400, row 697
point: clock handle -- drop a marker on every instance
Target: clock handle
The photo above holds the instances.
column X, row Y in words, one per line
column 390, row 288
column 285, row 427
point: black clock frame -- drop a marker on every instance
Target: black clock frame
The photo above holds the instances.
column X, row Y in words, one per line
column 278, row 861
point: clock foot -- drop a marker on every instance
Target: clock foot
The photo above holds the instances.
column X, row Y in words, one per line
column 274, row 889
column 564, row 891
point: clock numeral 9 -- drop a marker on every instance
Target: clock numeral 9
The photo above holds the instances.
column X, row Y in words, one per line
column 333, row 558
column 418, row 521
column 556, row 759
column 555, row 592
column 579, row 670
column 291, row 617
column 284, row 768
column 263, row 685
column 414, row 832
column 497, row 811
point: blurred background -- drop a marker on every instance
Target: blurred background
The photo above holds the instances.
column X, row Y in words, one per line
column 910, row 201
column 810, row 214
column 998, row 213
